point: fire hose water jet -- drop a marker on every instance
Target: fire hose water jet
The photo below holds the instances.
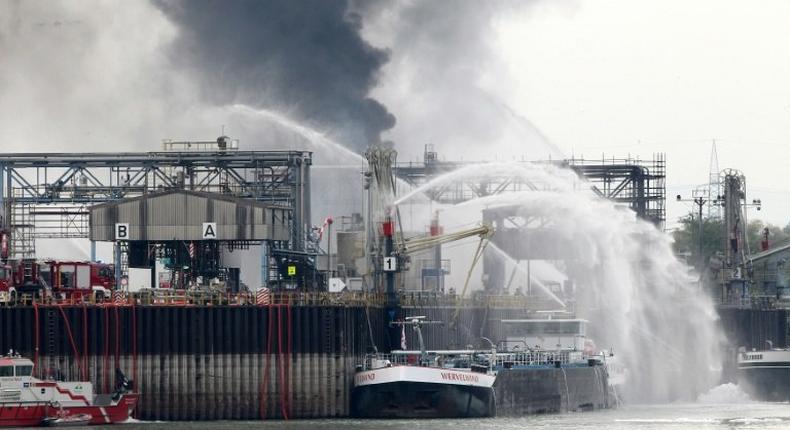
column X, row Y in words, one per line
column 639, row 298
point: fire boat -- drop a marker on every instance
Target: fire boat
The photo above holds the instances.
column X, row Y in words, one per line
column 26, row 401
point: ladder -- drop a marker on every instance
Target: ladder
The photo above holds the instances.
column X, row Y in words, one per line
column 124, row 258
column 51, row 338
column 328, row 330
column 23, row 243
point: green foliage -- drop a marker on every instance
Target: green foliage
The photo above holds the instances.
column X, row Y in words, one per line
column 687, row 238
column 713, row 237
column 776, row 234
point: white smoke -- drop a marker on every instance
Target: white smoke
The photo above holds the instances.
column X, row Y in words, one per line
column 447, row 84
column 86, row 75
column 99, row 75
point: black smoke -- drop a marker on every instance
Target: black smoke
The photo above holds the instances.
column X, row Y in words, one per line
column 305, row 58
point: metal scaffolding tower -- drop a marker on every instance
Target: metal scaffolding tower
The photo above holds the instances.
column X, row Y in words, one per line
column 639, row 184
column 46, row 195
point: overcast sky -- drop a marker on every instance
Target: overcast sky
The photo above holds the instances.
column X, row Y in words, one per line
column 498, row 79
column 631, row 77
column 639, row 77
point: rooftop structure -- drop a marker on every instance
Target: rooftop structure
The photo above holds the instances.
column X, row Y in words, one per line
column 47, row 195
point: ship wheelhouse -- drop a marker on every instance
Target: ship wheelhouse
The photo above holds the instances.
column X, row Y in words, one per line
column 15, row 368
column 545, row 334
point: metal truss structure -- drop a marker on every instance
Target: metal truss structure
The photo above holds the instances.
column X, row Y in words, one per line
column 46, row 195
column 638, row 184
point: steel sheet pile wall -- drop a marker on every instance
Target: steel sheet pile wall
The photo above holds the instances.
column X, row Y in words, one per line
column 220, row 362
column 201, row 363
column 751, row 328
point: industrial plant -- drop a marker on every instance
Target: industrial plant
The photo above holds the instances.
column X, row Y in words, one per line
column 228, row 298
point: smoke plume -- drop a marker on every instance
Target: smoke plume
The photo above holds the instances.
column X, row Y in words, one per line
column 305, row 58
column 86, row 76
column 447, row 80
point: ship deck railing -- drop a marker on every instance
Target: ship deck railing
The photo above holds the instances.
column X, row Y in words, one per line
column 458, row 360
column 539, row 358
column 502, row 360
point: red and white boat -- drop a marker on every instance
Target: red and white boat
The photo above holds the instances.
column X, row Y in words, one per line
column 28, row 401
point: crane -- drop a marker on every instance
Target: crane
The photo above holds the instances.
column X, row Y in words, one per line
column 484, row 231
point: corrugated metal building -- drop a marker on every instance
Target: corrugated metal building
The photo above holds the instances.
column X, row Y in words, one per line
column 181, row 214
column 771, row 271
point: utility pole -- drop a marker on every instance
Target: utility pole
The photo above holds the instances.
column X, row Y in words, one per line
column 700, row 202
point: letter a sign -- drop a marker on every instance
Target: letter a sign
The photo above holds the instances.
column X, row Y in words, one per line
column 122, row 231
column 209, row 230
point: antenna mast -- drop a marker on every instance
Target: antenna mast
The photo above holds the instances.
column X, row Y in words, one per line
column 714, row 183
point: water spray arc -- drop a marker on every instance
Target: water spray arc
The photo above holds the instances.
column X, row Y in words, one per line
column 621, row 273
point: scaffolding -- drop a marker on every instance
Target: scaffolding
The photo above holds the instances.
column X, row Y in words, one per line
column 640, row 184
column 637, row 183
column 47, row 195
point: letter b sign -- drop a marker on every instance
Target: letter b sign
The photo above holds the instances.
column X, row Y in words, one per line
column 122, row 231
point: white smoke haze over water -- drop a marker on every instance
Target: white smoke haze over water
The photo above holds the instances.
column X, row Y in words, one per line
column 100, row 75
column 725, row 394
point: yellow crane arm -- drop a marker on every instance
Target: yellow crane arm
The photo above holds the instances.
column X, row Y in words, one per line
column 421, row 243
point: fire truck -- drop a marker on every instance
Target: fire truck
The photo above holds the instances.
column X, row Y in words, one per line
column 59, row 279
column 20, row 277
column 6, row 284
column 5, row 269
column 66, row 279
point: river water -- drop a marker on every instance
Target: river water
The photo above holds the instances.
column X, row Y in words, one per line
column 698, row 416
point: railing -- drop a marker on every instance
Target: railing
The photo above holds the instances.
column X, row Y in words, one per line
column 205, row 298
column 506, row 360
column 418, row 299
column 460, row 360
column 538, row 358
column 763, row 302
column 171, row 297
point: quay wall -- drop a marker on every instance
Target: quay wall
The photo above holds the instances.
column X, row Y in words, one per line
column 751, row 328
column 225, row 362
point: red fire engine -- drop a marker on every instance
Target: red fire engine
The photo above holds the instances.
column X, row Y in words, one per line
column 67, row 279
column 6, row 284
column 60, row 279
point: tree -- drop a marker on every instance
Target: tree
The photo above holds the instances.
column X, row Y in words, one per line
column 754, row 234
column 687, row 238
column 713, row 237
